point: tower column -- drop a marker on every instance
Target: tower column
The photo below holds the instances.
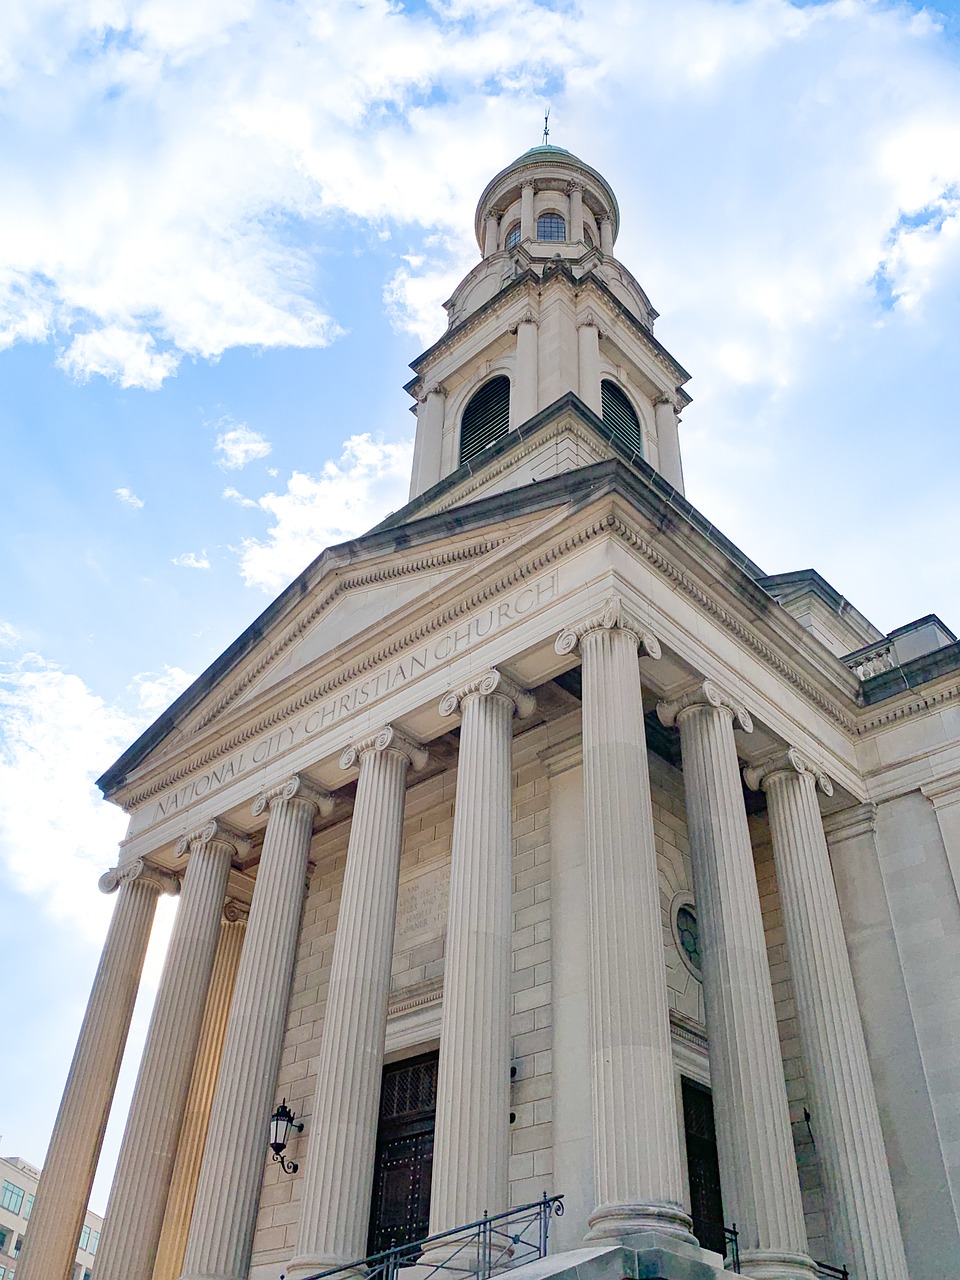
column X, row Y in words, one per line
column 606, row 234
column 525, row 397
column 861, row 1211
column 470, row 1171
column 138, row 1196
column 528, row 230
column 588, row 353
column 225, row 1211
column 338, row 1177
column 427, row 453
column 761, row 1189
column 196, row 1118
column 491, row 232
column 575, row 191
column 50, row 1245
column 668, row 441
column 636, row 1140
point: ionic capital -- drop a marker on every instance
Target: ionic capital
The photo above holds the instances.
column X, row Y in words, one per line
column 139, row 869
column 614, row 614
column 705, row 695
column 666, row 398
column 235, row 912
column 490, row 682
column 386, row 739
column 299, row 788
column 218, row 831
column 790, row 761
column 435, row 389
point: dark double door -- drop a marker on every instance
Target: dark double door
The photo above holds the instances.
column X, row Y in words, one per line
column 400, row 1209
column 703, row 1166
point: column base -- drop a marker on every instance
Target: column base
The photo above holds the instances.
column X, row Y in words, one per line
column 768, row 1264
column 617, row 1223
column 300, row 1268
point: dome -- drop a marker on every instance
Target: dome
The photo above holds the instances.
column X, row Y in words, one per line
column 548, row 166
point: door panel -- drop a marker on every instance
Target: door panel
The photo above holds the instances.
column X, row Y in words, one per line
column 400, row 1209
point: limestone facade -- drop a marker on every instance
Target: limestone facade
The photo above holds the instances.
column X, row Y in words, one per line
column 544, row 775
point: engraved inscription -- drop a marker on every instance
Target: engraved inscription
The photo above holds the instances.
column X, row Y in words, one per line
column 448, row 644
column 422, row 909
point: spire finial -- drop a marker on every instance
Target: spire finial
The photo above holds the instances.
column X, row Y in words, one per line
column 546, row 127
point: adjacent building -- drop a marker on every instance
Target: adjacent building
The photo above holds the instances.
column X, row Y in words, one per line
column 18, row 1187
column 539, row 841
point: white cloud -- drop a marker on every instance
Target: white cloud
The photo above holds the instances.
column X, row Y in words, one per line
column 155, row 691
column 348, row 497
column 9, row 635
column 240, row 445
column 234, row 495
column 129, row 498
column 192, row 560
column 130, row 358
column 56, row 833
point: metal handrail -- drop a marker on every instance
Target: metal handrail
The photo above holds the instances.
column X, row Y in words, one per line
column 482, row 1247
column 832, row 1273
column 731, row 1238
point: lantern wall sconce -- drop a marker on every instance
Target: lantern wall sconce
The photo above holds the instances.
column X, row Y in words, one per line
column 281, row 1122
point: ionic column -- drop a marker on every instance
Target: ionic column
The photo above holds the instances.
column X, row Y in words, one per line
column 196, row 1117
column 668, row 441
column 338, row 1173
column 491, row 232
column 860, row 1206
column 761, row 1189
column 470, row 1169
column 588, row 355
column 636, row 1138
column 428, row 448
column 50, row 1246
column 528, row 229
column 225, row 1211
column 575, row 191
column 525, row 400
column 138, row 1196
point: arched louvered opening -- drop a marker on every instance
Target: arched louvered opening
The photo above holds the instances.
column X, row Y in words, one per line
column 550, row 226
column 620, row 416
column 486, row 417
column 513, row 236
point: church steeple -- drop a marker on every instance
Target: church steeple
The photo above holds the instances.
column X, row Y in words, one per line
column 547, row 313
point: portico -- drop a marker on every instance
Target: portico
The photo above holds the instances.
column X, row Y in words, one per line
column 461, row 774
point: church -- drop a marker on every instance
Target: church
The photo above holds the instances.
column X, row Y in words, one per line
column 537, row 844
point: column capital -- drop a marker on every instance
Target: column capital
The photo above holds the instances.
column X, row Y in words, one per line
column 215, row 830
column 666, row 397
column 298, row 787
column 706, row 694
column 590, row 320
column 490, row 682
column 613, row 614
column 435, row 389
column 847, row 824
column 790, row 761
column 388, row 738
column 139, row 869
column 574, row 185
column 528, row 182
column 235, row 911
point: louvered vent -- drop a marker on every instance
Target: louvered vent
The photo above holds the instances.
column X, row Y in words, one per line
column 486, row 418
column 621, row 417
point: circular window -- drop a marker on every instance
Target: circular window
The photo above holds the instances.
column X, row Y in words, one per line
column 686, row 932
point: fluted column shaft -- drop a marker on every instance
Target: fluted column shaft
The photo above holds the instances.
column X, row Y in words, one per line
column 638, row 1178
column 861, row 1210
column 50, row 1246
column 138, row 1196
column 471, row 1155
column 528, row 229
column 193, row 1132
column 338, row 1175
column 225, row 1211
column 761, row 1190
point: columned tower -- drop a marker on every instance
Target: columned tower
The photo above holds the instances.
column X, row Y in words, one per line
column 548, row 315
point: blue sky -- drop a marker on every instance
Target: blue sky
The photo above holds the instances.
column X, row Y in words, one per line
column 226, row 229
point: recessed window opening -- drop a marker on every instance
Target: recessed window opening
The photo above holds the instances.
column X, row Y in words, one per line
column 513, row 236
column 486, row 417
column 550, row 226
column 620, row 417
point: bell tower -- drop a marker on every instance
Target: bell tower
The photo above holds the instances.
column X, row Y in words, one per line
column 549, row 323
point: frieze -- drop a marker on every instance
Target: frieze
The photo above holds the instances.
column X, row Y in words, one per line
column 267, row 746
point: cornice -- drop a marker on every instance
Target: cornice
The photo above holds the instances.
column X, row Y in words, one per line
column 904, row 710
column 604, row 524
